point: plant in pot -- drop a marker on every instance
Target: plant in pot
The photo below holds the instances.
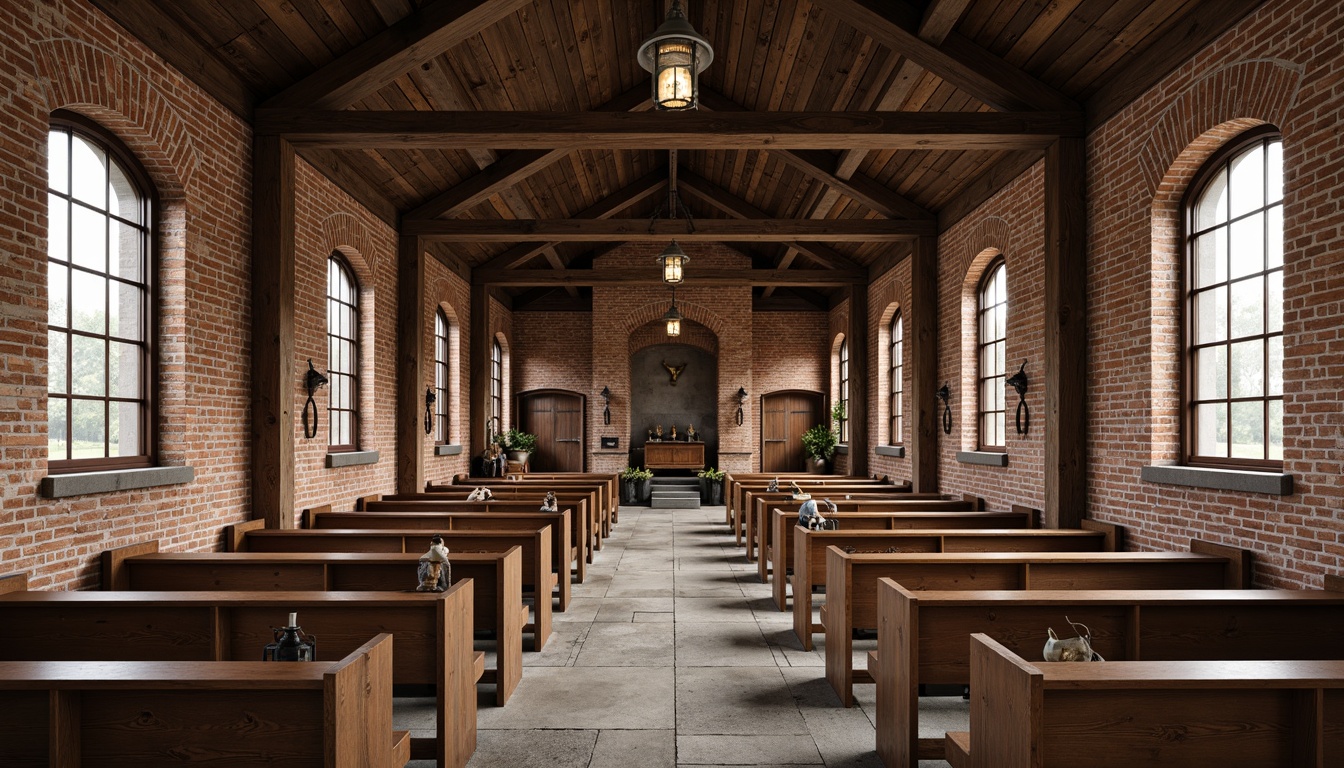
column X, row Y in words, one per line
column 819, row 442
column 711, row 485
column 636, row 485
column 519, row 444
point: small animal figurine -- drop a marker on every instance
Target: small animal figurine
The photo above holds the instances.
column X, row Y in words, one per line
column 674, row 370
column 773, row 487
column 433, row 569
column 1072, row 648
column 480, row 493
column 549, row 504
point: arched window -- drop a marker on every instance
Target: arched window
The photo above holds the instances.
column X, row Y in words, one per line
column 100, row 372
column 844, row 391
column 442, row 378
column 343, row 353
column 496, row 387
column 992, row 323
column 1234, row 307
column 897, row 379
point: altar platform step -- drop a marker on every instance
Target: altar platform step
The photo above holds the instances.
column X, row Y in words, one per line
column 675, row 493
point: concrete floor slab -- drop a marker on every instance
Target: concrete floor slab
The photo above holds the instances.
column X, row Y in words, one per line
column 534, row 749
column 710, row 609
column 611, row 644
column 626, row 749
column 735, row 700
column 717, row 750
column 722, row 644
column 639, row 698
column 625, row 608
column 641, row 584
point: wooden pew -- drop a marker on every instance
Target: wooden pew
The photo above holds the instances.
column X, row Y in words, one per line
column 922, row 637
column 497, row 576
column 607, row 498
column 760, row 535
column 783, row 522
column 538, row 576
column 1150, row 713
column 563, row 554
column 160, row 713
column 809, row 552
column 851, row 584
column 433, row 636
column 733, row 480
column 582, row 501
column 609, row 481
column 746, row 492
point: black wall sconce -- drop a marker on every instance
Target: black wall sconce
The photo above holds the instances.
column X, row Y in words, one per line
column 1018, row 381
column 606, row 405
column 741, row 400
column 945, row 394
column 429, row 409
column 312, row 381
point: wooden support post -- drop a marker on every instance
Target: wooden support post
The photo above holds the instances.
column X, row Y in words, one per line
column 274, row 369
column 480, row 366
column 1065, row 333
column 411, row 366
column 858, row 379
column 922, row 329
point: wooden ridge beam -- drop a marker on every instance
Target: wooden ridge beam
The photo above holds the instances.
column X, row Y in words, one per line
column 644, row 231
column 644, row 130
column 958, row 60
column 407, row 44
column 648, row 276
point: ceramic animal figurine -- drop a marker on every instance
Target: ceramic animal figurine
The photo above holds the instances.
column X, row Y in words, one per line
column 690, row 432
column 773, row 487
column 549, row 504
column 480, row 493
column 1071, row 648
column 433, row 569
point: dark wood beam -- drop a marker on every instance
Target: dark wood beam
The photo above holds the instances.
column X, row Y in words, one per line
column 958, row 60
column 642, row 230
column 701, row 278
column 645, row 130
column 274, row 378
column 478, row 408
column 412, row 368
column 857, row 415
column 983, row 187
column 1204, row 24
column 940, row 18
column 1065, row 334
column 354, row 183
column 180, row 47
column 921, row 333
column 407, row 44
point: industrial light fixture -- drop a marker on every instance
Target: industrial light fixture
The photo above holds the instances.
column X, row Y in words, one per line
column 676, row 55
column 1018, row 381
column 741, row 400
column 673, row 317
column 945, row 394
column 673, row 261
column 606, row 405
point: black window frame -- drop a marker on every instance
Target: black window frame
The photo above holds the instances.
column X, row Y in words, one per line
column 339, row 378
column 994, row 381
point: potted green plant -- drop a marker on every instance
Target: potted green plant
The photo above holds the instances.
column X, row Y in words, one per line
column 819, row 442
column 519, row 444
column 636, row 485
column 711, row 485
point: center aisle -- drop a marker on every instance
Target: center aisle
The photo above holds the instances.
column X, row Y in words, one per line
column 670, row 655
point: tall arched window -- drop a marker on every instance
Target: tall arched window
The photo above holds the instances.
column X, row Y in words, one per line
column 496, row 387
column 343, row 354
column 1234, row 307
column 896, row 408
column 442, row 378
column 992, row 317
column 100, row 372
column 844, row 391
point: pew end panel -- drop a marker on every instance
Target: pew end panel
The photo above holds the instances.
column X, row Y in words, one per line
column 1033, row 515
column 14, row 582
column 235, row 536
column 1333, row 582
column 116, row 576
column 1239, row 571
column 1115, row 534
column 1006, row 695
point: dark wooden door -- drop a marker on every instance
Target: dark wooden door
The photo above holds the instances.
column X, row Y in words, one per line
column 785, row 416
column 556, row 418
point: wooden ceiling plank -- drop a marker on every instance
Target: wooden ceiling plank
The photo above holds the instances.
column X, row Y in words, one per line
column 957, row 60
column 1135, row 35
column 408, row 43
column 782, row 59
column 640, row 230
column 510, row 169
column 940, row 18
column 183, row 50
column 648, row 276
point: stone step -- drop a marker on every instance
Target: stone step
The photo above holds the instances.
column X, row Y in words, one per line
column 678, row 481
column 664, row 502
column 675, row 494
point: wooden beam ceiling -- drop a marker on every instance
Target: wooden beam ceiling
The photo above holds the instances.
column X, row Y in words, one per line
column 649, row 276
column 643, row 231
column 638, row 130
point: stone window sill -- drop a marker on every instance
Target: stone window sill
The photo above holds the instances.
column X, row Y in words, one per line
column 447, row 450
column 351, row 459
column 843, row 450
column 83, row 483
column 1271, row 483
column 897, row 451
column 983, row 458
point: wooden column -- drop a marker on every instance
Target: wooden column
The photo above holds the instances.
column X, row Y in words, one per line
column 411, row 365
column 1065, row 334
column 858, row 379
column 274, row 372
column 480, row 366
column 921, row 328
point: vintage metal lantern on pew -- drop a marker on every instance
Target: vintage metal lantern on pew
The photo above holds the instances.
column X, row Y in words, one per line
column 291, row 644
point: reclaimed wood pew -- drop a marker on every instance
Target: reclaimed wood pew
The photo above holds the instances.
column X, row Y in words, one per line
column 570, row 544
column 538, row 576
column 761, row 534
column 922, row 637
column 432, row 630
column 732, row 481
column 497, row 604
column 610, row 482
column 581, row 501
column 606, row 501
column 851, row 584
column 1150, row 713
column 783, row 522
column 745, row 492
column 161, row 713
column 809, row 552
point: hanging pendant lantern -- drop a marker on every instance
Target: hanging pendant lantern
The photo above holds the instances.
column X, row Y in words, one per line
column 291, row 644
column 673, row 317
column 673, row 261
column 676, row 55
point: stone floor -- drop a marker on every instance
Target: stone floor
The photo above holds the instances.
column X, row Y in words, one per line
column 672, row 654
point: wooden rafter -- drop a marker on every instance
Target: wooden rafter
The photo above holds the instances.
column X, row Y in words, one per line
column 697, row 130
column 641, row 230
column 405, row 45
column 700, row 278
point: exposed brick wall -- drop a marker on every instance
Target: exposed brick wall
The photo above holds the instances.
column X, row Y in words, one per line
column 887, row 294
column 838, row 321
column 790, row 353
column 447, row 290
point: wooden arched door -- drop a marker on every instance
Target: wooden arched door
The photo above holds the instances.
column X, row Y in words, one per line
column 556, row 418
column 785, row 416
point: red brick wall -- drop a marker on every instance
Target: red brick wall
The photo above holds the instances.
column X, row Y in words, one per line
column 447, row 290
column 790, row 352
column 888, row 293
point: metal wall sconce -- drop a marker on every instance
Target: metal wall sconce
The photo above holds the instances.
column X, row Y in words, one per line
column 312, row 381
column 945, row 394
column 429, row 409
column 1018, row 381
column 741, row 400
column 606, row 405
